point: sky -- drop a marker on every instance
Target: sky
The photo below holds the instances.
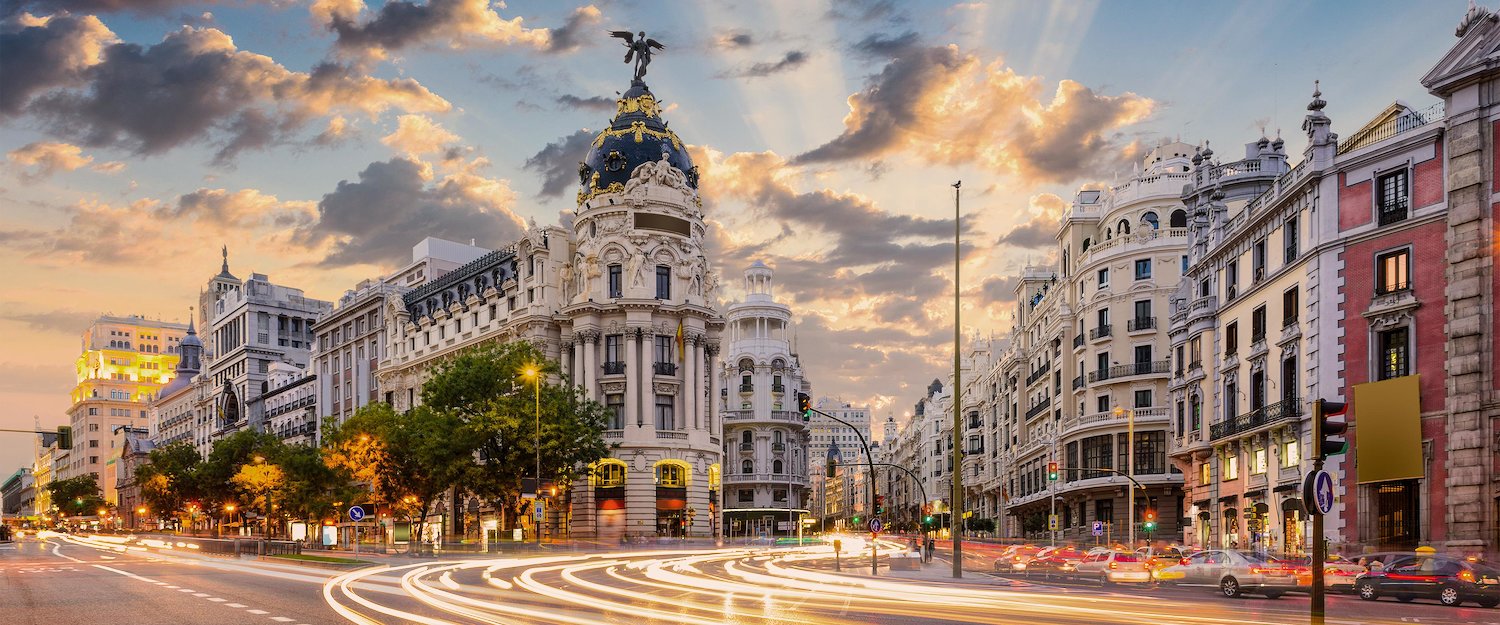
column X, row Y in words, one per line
column 320, row 140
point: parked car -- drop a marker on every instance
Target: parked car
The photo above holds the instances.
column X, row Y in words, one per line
column 1234, row 573
column 1114, row 566
column 1449, row 580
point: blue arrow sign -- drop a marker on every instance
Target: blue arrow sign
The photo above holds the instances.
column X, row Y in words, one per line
column 356, row 513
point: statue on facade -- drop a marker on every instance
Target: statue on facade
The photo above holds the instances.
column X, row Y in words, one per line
column 638, row 49
column 565, row 276
column 592, row 273
column 635, row 267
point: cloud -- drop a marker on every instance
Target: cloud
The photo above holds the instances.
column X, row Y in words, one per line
column 417, row 135
column 792, row 60
column 557, row 162
column 196, row 85
column 865, row 10
column 33, row 378
column 881, row 46
column 377, row 219
column 736, row 38
column 337, row 131
column 243, row 209
column 41, row 53
column 58, row 320
column 592, row 103
column 1041, row 230
column 950, row 108
column 45, row 158
column 104, row 6
column 456, row 24
column 109, row 167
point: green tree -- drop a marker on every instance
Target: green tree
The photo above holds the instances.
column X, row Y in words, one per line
column 260, row 482
column 77, row 496
column 312, row 485
column 213, row 476
column 490, row 392
column 169, row 479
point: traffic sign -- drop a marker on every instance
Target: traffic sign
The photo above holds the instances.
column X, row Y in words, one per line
column 1098, row 528
column 1317, row 492
column 356, row 513
column 539, row 508
column 875, row 526
column 1052, row 522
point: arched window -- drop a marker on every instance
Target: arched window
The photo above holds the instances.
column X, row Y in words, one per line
column 1086, row 243
column 745, row 437
column 671, row 474
column 1124, row 227
column 1150, row 219
column 776, row 467
column 746, row 466
column 713, row 476
column 776, row 437
column 610, row 474
column 1178, row 219
column 1108, row 234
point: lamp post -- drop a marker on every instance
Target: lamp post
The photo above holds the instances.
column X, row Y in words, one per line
column 230, row 508
column 535, row 375
column 958, row 450
column 1129, row 464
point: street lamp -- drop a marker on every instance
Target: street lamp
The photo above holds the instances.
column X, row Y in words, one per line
column 1129, row 463
column 531, row 372
column 229, row 509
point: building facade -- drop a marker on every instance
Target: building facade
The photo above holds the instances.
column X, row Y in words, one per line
column 124, row 362
column 766, row 469
column 624, row 298
column 288, row 409
column 829, row 439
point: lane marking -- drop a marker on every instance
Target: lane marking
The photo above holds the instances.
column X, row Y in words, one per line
column 235, row 605
column 217, row 600
column 257, row 611
column 55, row 552
column 200, row 594
column 186, row 590
column 282, row 619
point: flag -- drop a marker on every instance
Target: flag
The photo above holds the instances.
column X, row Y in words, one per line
column 1004, row 494
column 681, row 342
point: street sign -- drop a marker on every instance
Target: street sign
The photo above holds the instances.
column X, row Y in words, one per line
column 875, row 526
column 356, row 513
column 1052, row 523
column 1317, row 492
column 1098, row 528
column 539, row 508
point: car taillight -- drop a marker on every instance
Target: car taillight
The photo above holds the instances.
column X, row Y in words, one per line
column 1183, row 561
column 1114, row 565
column 1467, row 576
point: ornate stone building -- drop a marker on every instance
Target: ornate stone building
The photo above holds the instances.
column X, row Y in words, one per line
column 765, row 440
column 624, row 298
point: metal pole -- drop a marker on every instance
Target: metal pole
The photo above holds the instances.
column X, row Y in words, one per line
column 1130, row 468
column 537, row 382
column 958, row 451
column 1320, row 549
column 870, row 459
column 1052, row 494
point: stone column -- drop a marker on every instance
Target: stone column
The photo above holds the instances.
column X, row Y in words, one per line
column 711, row 407
column 590, row 340
column 643, row 370
column 689, row 382
column 565, row 360
column 632, row 369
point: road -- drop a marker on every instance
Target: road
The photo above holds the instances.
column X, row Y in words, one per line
column 63, row 580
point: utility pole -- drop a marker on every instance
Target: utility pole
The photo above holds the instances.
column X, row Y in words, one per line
column 958, row 449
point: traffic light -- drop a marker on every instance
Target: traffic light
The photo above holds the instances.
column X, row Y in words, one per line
column 1052, row 471
column 879, row 504
column 856, row 520
column 927, row 520
column 64, row 437
column 1323, row 428
column 804, row 404
column 1150, row 518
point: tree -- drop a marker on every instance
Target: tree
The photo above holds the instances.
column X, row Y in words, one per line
column 312, row 485
column 486, row 390
column 213, row 476
column 168, row 480
column 77, row 496
column 258, row 482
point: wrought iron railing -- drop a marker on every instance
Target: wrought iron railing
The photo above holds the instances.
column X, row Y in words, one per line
column 1141, row 323
column 665, row 368
column 614, row 368
column 1136, row 368
column 1289, row 408
column 1099, row 332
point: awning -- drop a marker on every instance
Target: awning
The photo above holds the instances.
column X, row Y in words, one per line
column 1286, row 487
column 1203, row 503
column 1229, row 498
column 1293, row 504
column 1255, row 493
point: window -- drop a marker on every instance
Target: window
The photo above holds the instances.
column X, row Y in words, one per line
column 1291, row 454
column 1195, row 349
column 1289, row 236
column 1289, row 307
column 1098, row 452
column 1258, row 461
column 1205, row 474
column 1142, row 313
column 612, row 349
column 1259, row 258
column 1142, row 357
column 665, row 419
column 1203, row 286
column 1393, row 272
column 746, row 495
column 1103, row 316
column 664, row 349
column 615, row 287
column 1231, row 467
column 1143, row 269
column 1231, row 279
column 611, row 475
column 1391, row 203
column 1232, row 339
column 1258, row 324
column 778, row 494
column 1184, row 263
column 663, row 282
column 614, row 404
column 1151, row 219
column 1143, row 399
column 671, row 475
column 1393, row 354
column 1104, row 510
column 1103, row 278
column 1151, row 452
column 777, row 466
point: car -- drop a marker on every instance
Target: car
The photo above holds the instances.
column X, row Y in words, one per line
column 1016, row 558
column 1451, row 581
column 1233, row 573
column 1158, row 558
column 1338, row 572
column 1055, row 561
column 1114, row 567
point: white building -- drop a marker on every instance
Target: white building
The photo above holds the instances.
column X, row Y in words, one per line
column 288, row 408
column 765, row 439
column 829, row 435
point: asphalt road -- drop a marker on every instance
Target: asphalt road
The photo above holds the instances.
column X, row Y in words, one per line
column 65, row 580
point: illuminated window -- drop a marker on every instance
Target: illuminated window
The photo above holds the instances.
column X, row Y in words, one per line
column 671, row 475
column 1205, row 474
column 1291, row 454
column 611, row 475
column 1231, row 467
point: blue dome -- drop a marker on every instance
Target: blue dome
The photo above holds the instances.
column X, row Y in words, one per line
column 635, row 136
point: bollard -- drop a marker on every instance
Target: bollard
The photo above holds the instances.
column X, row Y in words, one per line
column 838, row 548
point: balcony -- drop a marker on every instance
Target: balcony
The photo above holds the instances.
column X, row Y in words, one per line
column 614, row 368
column 1099, row 332
column 1393, row 212
column 1039, row 408
column 1078, row 382
column 746, row 388
column 777, row 448
column 747, row 447
column 775, row 478
column 665, row 368
column 778, row 388
column 1203, row 306
column 1040, row 373
column 1141, row 323
column 669, row 434
column 1138, row 368
column 1078, row 341
column 1283, row 410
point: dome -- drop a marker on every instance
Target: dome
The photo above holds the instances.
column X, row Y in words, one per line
column 635, row 136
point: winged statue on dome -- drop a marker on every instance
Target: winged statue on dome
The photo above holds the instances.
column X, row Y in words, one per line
column 638, row 48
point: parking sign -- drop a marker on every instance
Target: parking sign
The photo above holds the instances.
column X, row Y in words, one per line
column 1098, row 528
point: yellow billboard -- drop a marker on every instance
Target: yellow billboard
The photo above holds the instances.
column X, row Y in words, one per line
column 1387, row 419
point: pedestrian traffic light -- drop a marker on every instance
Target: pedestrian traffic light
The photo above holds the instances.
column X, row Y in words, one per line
column 1052, row 471
column 64, row 437
column 879, row 504
column 1324, row 428
column 1150, row 524
column 804, row 404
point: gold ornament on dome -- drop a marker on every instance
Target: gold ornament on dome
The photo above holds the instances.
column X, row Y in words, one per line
column 595, row 190
column 644, row 104
column 639, row 129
